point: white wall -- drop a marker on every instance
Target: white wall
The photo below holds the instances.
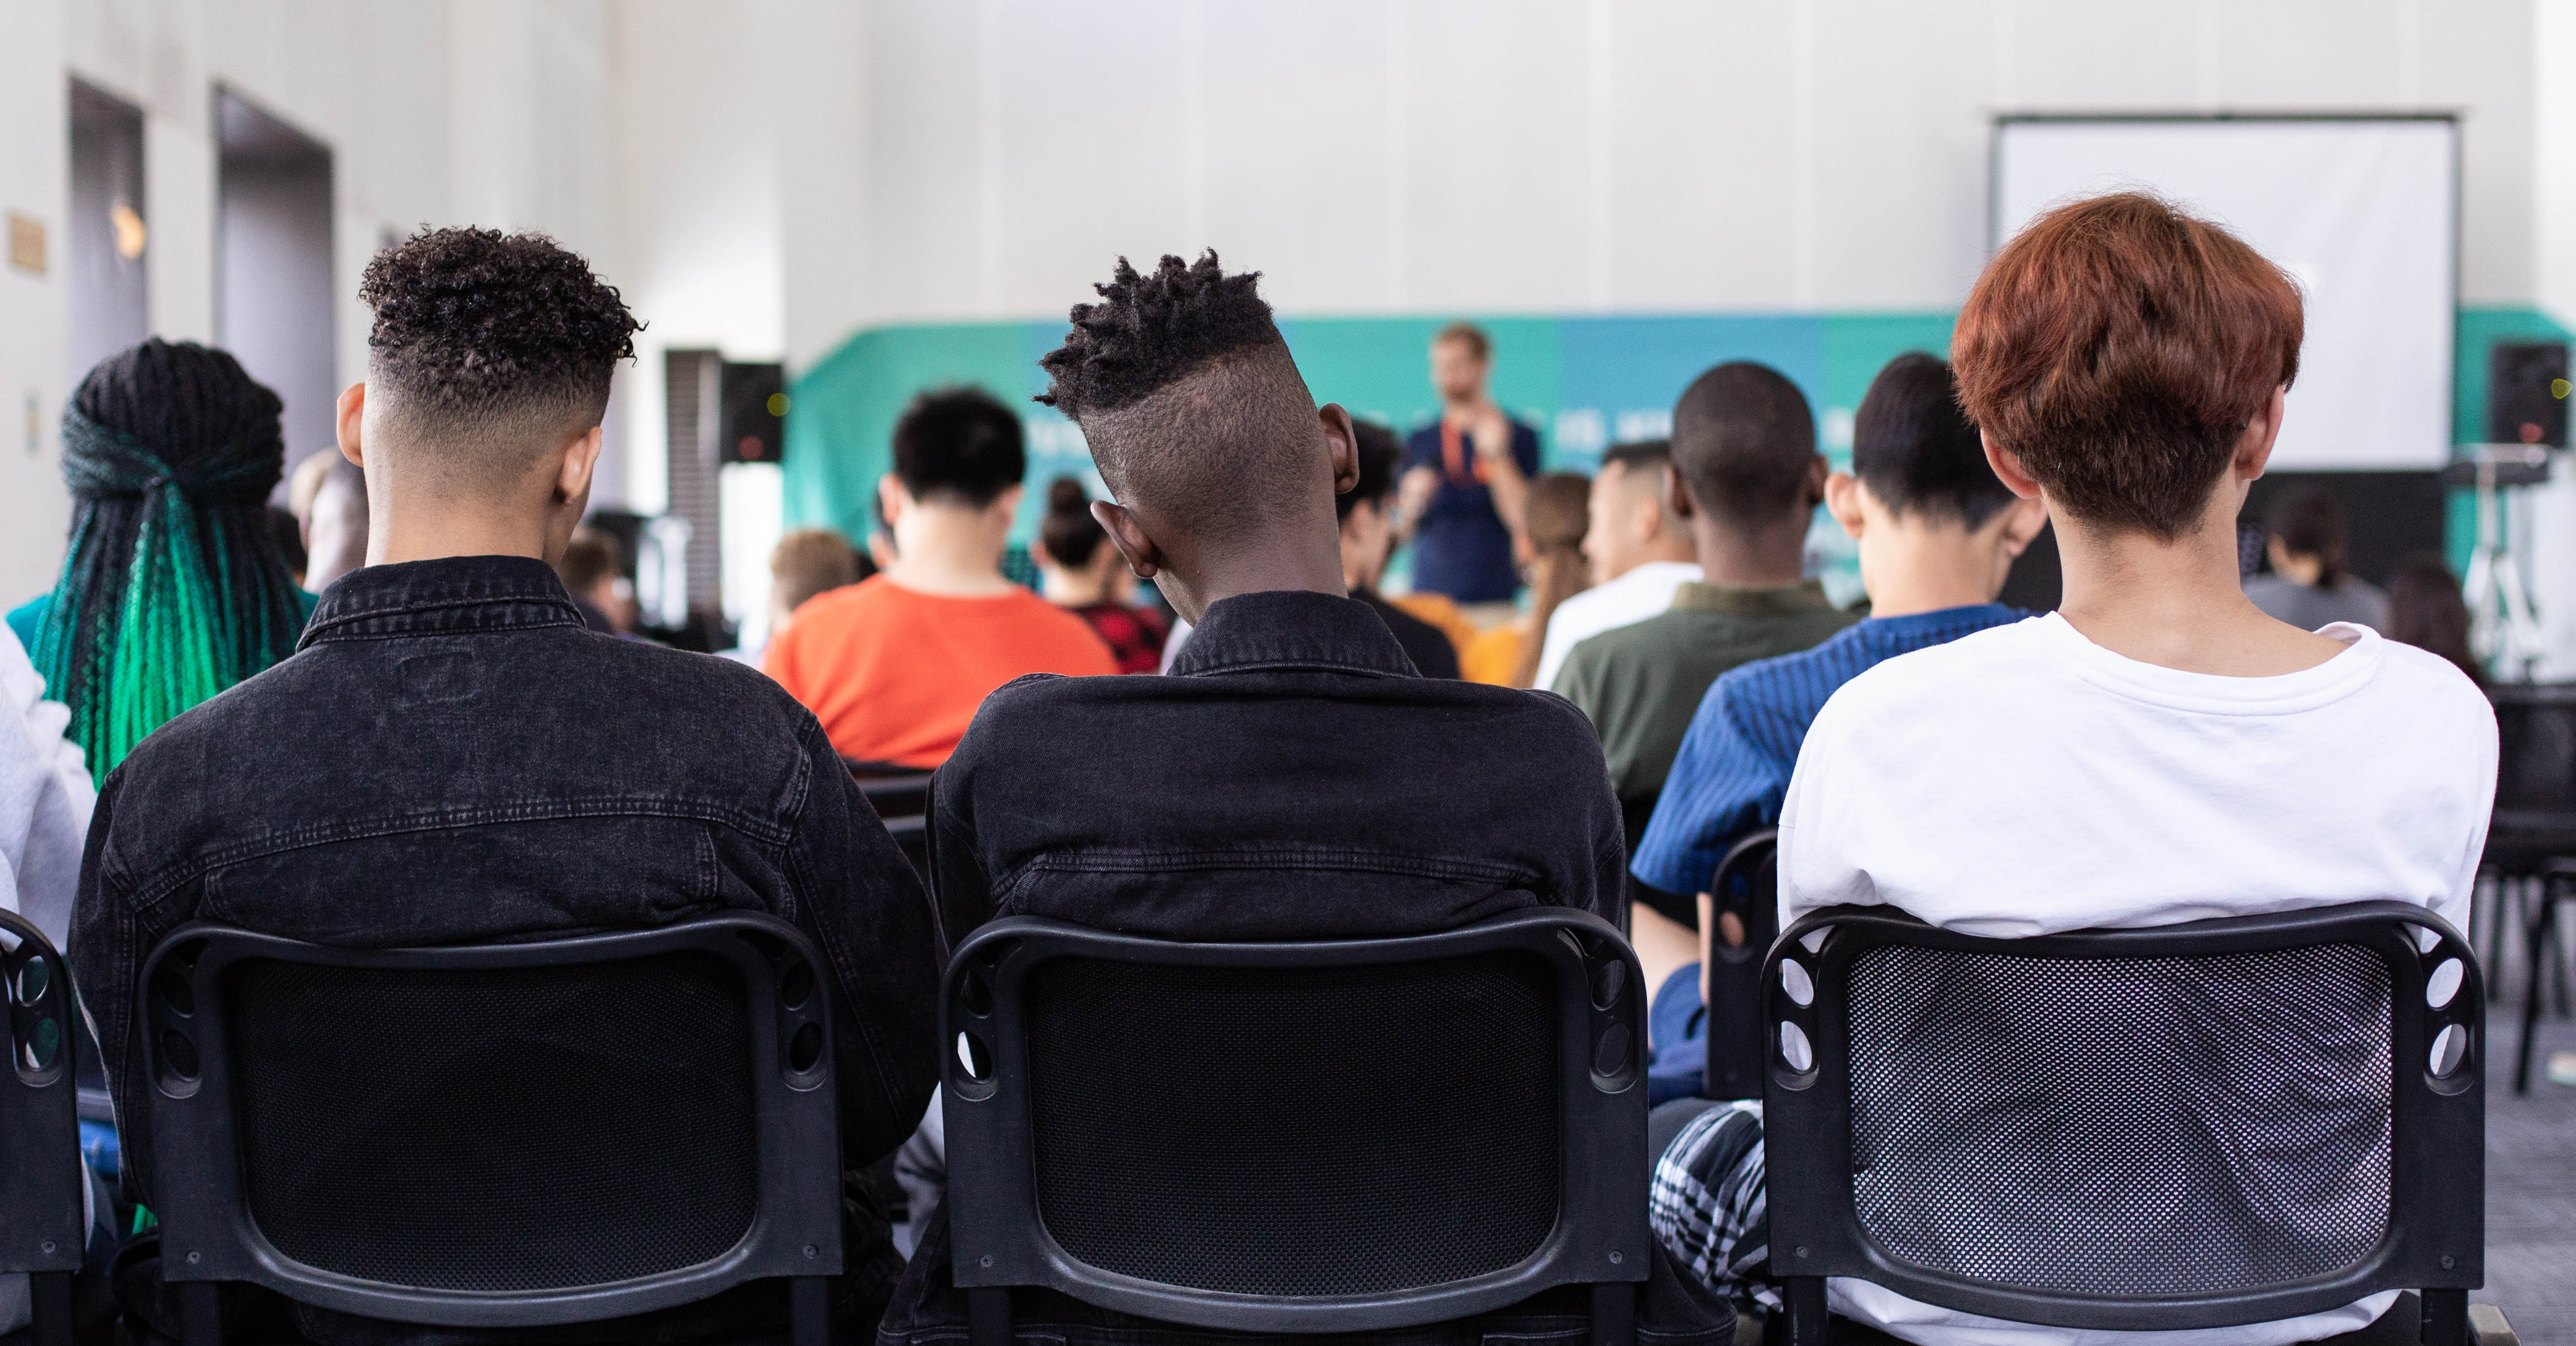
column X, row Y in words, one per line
column 35, row 138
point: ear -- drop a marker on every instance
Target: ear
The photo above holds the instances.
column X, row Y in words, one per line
column 1817, row 470
column 2022, row 520
column 1144, row 558
column 1842, row 500
column 353, row 416
column 892, row 499
column 1343, row 444
column 1676, row 495
column 2254, row 449
column 1007, row 504
column 580, row 461
column 2008, row 468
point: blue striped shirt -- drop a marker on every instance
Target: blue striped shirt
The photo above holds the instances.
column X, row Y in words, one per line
column 1733, row 769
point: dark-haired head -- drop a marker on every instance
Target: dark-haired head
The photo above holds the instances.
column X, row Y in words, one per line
column 1069, row 536
column 1744, row 443
column 2307, row 527
column 490, row 353
column 1916, row 449
column 173, row 587
column 2425, row 610
column 1223, row 468
column 958, row 446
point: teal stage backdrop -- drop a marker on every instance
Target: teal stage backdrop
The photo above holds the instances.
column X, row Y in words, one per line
column 1586, row 382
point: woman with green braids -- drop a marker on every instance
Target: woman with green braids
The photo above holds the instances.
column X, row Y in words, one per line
column 173, row 588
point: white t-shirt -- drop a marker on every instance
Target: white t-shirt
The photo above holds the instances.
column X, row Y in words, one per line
column 1645, row 591
column 2023, row 781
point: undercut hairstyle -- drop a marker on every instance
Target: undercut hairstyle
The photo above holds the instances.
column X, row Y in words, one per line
column 1192, row 406
column 959, row 446
column 173, row 587
column 811, row 561
column 487, row 344
column 2119, row 348
column 1469, row 335
column 2309, row 522
column 1744, row 442
column 1379, row 452
column 1914, row 446
column 1640, row 455
column 1070, row 537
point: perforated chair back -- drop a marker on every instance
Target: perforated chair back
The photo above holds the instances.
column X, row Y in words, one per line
column 41, row 1232
column 2535, row 801
column 2204, row 1125
column 1747, row 885
column 496, row 1135
column 1342, row 1136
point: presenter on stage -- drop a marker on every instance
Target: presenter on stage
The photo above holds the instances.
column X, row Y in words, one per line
column 1466, row 480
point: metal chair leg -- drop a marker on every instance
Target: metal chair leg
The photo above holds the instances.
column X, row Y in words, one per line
column 1614, row 1313
column 988, row 1317
column 201, row 1313
column 2538, row 942
column 1809, row 1324
column 809, row 1311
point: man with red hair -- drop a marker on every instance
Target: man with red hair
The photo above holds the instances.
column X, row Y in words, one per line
column 2155, row 751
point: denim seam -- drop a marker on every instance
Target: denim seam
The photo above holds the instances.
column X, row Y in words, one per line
column 1290, row 858
column 333, row 636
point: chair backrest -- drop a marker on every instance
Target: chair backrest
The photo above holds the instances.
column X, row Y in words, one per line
column 2203, row 1125
column 1339, row 1136
column 1747, row 883
column 2535, row 802
column 495, row 1135
column 40, row 1178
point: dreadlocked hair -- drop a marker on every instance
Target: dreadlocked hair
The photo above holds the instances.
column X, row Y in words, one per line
column 1153, row 329
column 173, row 588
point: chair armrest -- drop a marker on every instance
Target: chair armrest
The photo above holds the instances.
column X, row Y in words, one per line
column 2487, row 1327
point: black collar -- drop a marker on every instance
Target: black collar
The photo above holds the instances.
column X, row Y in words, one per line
column 1292, row 628
column 454, row 593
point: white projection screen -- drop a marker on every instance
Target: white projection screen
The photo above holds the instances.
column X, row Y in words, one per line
column 2363, row 211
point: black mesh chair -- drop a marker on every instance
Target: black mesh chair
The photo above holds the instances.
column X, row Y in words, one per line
column 41, row 1231
column 1747, row 884
column 2203, row 1125
column 901, row 797
column 495, row 1135
column 2531, row 841
column 1295, row 1138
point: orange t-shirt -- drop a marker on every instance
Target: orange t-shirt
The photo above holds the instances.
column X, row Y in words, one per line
column 895, row 675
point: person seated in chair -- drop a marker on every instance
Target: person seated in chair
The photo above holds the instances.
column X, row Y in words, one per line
column 1368, row 542
column 1937, row 533
column 1294, row 777
column 475, row 766
column 2157, row 750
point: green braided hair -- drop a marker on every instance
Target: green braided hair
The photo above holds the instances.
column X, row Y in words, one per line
column 173, row 589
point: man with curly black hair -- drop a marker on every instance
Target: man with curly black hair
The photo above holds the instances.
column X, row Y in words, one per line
column 450, row 757
column 1295, row 777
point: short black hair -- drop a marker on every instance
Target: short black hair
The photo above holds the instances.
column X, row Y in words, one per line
column 1639, row 454
column 1188, row 397
column 1069, row 536
column 959, row 444
column 479, row 334
column 2309, row 522
column 1379, row 451
column 1744, row 441
column 1914, row 445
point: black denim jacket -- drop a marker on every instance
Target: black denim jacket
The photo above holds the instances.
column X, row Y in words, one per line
column 1295, row 747
column 449, row 756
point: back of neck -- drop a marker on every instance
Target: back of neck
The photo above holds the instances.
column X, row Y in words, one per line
column 1768, row 557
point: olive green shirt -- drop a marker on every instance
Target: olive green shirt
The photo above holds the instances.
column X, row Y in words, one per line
column 1641, row 683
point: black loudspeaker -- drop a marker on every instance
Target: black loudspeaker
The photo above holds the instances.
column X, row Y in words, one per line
column 754, row 401
column 2527, row 393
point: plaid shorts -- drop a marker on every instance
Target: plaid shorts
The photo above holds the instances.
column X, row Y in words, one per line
column 1707, row 1204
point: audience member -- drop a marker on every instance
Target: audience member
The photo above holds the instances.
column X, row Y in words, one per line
column 896, row 665
column 1312, row 784
column 1466, row 478
column 288, row 535
column 1368, row 539
column 592, row 570
column 806, row 564
column 1641, row 553
column 2158, row 749
column 1439, row 610
column 1937, row 533
column 1551, row 550
column 172, row 588
column 335, row 524
column 2426, row 610
column 2308, row 586
column 471, row 765
column 1080, row 572
column 1747, row 477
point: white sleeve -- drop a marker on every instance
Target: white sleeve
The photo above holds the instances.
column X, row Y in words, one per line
column 1820, row 860
column 1553, row 649
column 45, row 797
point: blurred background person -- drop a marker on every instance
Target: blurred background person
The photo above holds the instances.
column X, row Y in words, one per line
column 1640, row 552
column 173, row 588
column 2425, row 610
column 1368, row 540
column 593, row 572
column 2308, row 586
column 806, row 564
column 1466, row 480
column 335, row 524
column 1080, row 572
column 1552, row 559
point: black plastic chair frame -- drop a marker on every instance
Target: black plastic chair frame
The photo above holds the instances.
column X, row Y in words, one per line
column 999, row 1241
column 1747, row 882
column 209, row 1235
column 2435, row 1238
column 41, row 1231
